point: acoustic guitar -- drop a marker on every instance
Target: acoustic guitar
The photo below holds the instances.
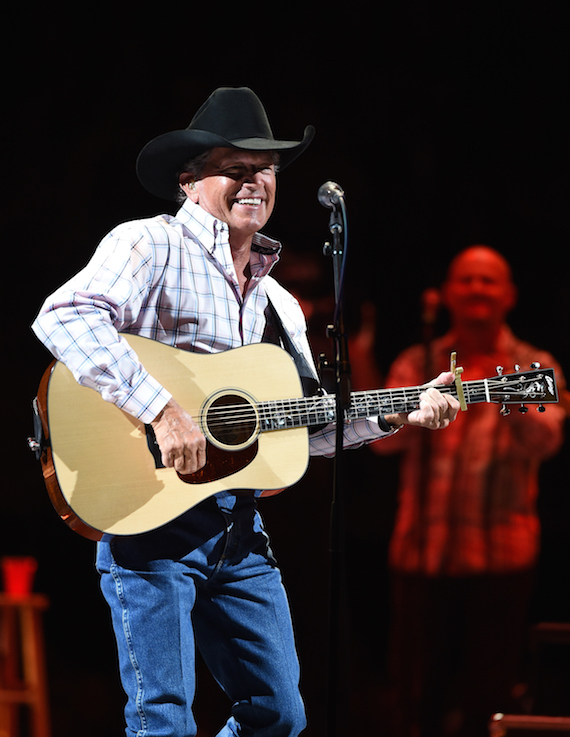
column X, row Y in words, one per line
column 102, row 467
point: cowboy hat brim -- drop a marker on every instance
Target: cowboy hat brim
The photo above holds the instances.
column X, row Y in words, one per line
column 161, row 160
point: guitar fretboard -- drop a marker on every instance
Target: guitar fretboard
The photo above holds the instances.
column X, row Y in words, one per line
column 312, row 411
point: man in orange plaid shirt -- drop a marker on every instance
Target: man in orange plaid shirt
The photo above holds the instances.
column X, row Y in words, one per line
column 467, row 533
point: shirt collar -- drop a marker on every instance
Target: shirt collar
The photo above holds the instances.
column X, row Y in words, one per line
column 214, row 233
column 200, row 223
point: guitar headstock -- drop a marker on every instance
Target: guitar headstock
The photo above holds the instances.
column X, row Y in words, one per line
column 537, row 386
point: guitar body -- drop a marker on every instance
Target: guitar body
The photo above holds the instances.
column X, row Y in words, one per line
column 100, row 473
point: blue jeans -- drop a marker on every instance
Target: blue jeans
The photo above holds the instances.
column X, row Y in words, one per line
column 209, row 580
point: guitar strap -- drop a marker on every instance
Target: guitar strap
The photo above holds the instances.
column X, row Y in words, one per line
column 310, row 383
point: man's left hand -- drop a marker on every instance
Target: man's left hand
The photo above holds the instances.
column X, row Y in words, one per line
column 436, row 410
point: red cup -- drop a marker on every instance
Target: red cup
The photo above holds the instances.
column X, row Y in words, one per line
column 18, row 574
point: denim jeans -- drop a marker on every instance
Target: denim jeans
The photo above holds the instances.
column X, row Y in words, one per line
column 207, row 579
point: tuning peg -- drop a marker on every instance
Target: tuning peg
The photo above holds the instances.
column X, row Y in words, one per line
column 541, row 408
column 505, row 411
column 535, row 365
column 523, row 410
column 517, row 367
column 499, row 370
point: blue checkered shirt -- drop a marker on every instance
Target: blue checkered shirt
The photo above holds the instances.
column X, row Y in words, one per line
column 171, row 279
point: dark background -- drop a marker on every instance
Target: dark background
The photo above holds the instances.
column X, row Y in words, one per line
column 446, row 124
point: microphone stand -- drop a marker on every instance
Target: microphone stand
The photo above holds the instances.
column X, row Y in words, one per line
column 337, row 250
column 430, row 306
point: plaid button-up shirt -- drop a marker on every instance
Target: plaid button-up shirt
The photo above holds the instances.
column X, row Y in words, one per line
column 171, row 279
column 470, row 505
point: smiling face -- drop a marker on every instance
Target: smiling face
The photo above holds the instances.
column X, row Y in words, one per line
column 237, row 187
column 479, row 291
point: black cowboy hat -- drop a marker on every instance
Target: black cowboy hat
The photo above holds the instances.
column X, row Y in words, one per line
column 230, row 117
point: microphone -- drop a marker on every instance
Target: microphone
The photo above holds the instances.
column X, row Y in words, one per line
column 330, row 194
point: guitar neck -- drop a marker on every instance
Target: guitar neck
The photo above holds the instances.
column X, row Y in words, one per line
column 312, row 411
column 393, row 401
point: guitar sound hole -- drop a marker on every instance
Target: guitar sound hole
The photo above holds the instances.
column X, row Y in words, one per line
column 231, row 420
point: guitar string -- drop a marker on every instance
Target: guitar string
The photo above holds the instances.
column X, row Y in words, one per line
column 300, row 407
column 373, row 397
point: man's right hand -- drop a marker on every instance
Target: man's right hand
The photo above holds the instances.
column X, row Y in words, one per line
column 181, row 442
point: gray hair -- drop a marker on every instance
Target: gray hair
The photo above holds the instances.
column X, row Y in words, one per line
column 194, row 166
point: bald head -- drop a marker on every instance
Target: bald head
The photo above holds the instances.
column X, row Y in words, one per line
column 479, row 291
column 483, row 255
